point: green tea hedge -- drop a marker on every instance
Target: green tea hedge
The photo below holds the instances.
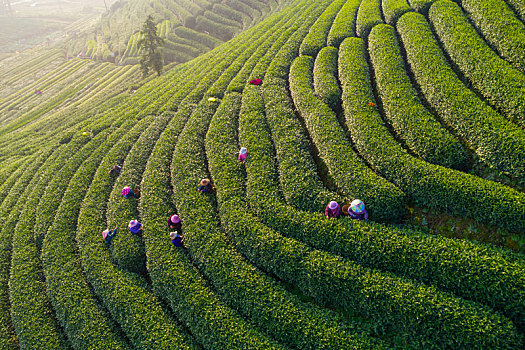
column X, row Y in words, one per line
column 368, row 15
column 498, row 142
column 413, row 123
column 500, row 27
column 498, row 81
column 326, row 85
column 393, row 9
column 344, row 23
column 385, row 202
column 315, row 40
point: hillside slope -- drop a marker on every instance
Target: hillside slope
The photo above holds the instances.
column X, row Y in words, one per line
column 399, row 114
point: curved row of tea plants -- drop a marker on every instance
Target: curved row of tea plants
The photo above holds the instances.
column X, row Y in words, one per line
column 126, row 297
column 315, row 40
column 499, row 82
column 351, row 175
column 500, row 27
column 314, row 272
column 498, row 142
column 368, row 15
column 9, row 213
column 344, row 23
column 326, row 85
column 413, row 123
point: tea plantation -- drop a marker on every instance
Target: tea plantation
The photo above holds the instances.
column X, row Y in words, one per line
column 412, row 106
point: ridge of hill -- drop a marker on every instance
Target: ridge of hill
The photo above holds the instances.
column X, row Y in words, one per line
column 414, row 107
column 188, row 27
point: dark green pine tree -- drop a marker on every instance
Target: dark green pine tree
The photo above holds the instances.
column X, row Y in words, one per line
column 149, row 45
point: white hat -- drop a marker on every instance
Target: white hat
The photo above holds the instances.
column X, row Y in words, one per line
column 133, row 223
column 243, row 150
column 333, row 205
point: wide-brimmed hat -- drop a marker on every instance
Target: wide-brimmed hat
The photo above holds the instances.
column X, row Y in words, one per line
column 173, row 235
column 333, row 205
column 243, row 150
column 175, row 218
column 204, row 182
column 133, row 223
column 357, row 206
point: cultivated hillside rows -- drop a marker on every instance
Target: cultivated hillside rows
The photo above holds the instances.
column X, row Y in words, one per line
column 386, row 101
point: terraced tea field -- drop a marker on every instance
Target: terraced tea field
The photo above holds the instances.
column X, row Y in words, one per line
column 415, row 107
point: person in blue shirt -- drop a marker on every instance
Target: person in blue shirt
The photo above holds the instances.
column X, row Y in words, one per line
column 205, row 186
column 176, row 239
column 128, row 192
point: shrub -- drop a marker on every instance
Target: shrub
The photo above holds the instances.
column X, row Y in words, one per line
column 326, row 85
column 393, row 9
column 349, row 172
column 315, row 40
column 368, row 15
column 413, row 123
column 499, row 82
column 497, row 142
column 344, row 23
column 500, row 27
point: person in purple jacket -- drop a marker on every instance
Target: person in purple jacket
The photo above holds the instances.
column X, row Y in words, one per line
column 357, row 210
column 128, row 192
column 333, row 210
column 135, row 227
column 243, row 153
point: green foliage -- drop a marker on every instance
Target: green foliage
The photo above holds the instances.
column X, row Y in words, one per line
column 344, row 23
column 368, row 15
column 383, row 200
column 326, row 85
column 149, row 45
column 219, row 19
column 243, row 228
column 124, row 295
column 500, row 27
column 28, row 298
column 193, row 35
column 428, row 185
column 251, row 292
column 212, row 322
column 9, row 212
column 242, row 7
column 421, row 6
column 498, row 81
column 232, row 13
column 301, row 185
column 519, row 8
column 219, row 30
column 81, row 316
column 315, row 40
column 498, row 142
column 409, row 288
column 393, row 9
column 326, row 278
column 413, row 123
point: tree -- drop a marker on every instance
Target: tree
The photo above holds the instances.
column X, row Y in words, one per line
column 149, row 45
